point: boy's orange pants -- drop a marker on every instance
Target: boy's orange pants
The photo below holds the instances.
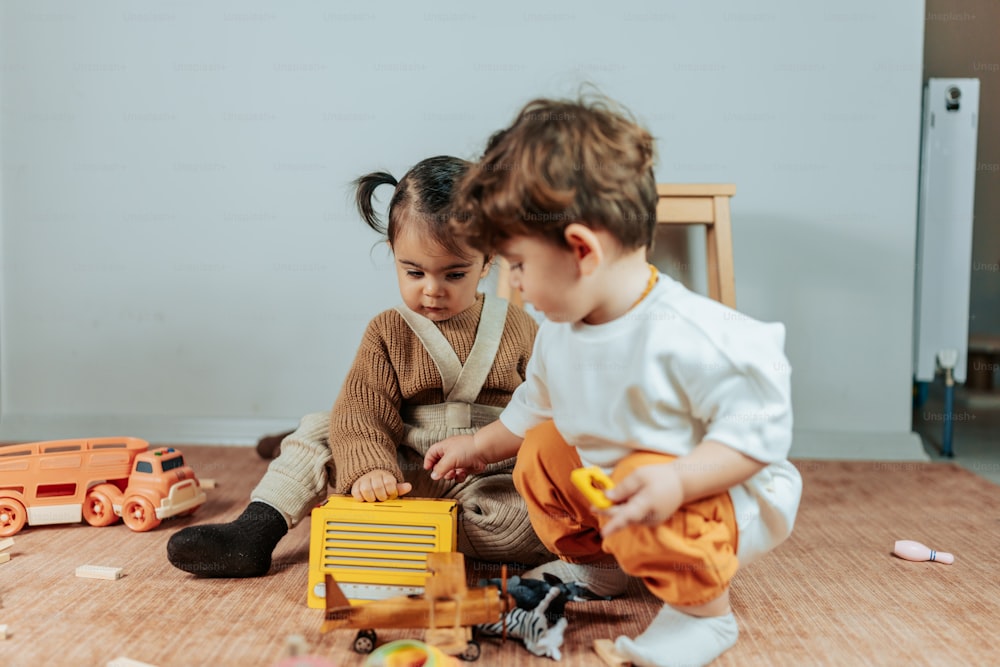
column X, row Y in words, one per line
column 687, row 560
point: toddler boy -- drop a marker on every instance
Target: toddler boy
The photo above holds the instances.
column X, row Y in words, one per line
column 682, row 401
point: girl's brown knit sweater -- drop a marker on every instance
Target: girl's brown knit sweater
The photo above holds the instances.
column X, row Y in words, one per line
column 392, row 370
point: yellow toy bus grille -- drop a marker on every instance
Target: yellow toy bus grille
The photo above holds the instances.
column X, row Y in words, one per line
column 377, row 550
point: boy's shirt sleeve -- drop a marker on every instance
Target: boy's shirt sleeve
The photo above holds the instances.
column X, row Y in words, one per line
column 529, row 405
column 741, row 391
column 365, row 423
column 532, row 328
column 523, row 329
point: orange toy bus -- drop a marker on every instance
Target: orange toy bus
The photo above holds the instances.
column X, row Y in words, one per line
column 96, row 480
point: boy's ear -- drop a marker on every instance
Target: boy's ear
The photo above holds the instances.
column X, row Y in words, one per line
column 585, row 246
column 487, row 265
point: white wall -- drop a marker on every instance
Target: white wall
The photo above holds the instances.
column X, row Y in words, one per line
column 180, row 253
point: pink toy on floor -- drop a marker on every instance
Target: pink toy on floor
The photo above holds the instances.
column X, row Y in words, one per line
column 916, row 551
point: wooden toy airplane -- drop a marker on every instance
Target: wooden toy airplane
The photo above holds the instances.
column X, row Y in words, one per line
column 447, row 609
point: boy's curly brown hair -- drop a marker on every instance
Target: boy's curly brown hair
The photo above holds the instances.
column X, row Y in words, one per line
column 560, row 162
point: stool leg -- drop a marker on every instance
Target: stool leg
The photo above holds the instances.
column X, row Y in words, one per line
column 920, row 392
column 949, row 405
column 947, row 360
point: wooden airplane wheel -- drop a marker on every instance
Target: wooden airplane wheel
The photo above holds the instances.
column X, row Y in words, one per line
column 472, row 651
column 364, row 642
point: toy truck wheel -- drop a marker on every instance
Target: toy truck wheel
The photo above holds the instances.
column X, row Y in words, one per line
column 139, row 515
column 12, row 517
column 472, row 651
column 364, row 642
column 98, row 508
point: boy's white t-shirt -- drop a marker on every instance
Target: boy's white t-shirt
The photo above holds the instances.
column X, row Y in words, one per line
column 677, row 369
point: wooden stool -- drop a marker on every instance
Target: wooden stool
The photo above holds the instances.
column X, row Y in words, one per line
column 706, row 205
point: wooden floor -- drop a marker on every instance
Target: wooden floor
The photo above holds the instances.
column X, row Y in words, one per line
column 832, row 595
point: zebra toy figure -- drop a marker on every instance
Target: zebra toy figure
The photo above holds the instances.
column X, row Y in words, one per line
column 537, row 620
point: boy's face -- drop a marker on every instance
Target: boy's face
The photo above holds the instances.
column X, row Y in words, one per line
column 547, row 276
column 433, row 282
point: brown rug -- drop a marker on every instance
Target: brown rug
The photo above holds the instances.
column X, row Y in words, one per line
column 832, row 595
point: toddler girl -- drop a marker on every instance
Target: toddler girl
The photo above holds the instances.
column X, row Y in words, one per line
column 443, row 363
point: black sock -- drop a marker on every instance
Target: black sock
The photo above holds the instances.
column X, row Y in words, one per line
column 239, row 549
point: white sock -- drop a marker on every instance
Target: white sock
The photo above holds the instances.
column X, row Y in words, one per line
column 602, row 579
column 675, row 639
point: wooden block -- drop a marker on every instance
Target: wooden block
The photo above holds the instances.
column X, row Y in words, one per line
column 3, row 633
column 6, row 543
column 122, row 661
column 4, row 556
column 296, row 645
column 207, row 483
column 607, row 652
column 98, row 572
column 450, row 641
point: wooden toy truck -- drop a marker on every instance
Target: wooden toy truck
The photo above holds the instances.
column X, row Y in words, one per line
column 96, row 480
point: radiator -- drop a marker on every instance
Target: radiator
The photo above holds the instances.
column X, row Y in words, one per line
column 944, row 224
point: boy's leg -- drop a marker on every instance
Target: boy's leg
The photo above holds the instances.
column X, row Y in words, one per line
column 561, row 515
column 688, row 562
column 294, row 483
column 676, row 638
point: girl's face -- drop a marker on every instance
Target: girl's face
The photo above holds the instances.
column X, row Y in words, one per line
column 433, row 282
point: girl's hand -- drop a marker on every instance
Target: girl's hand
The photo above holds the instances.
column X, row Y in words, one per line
column 454, row 458
column 648, row 496
column 379, row 485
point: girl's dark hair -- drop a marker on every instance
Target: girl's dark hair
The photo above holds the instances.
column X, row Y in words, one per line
column 424, row 195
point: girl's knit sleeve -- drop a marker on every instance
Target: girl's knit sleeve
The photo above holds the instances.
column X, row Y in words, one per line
column 365, row 423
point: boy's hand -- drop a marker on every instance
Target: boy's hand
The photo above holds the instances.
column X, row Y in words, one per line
column 379, row 485
column 454, row 458
column 647, row 496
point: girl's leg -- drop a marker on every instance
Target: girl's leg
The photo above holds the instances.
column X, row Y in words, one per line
column 294, row 483
column 494, row 522
column 297, row 480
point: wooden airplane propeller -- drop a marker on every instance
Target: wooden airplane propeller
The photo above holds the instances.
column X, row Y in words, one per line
column 506, row 597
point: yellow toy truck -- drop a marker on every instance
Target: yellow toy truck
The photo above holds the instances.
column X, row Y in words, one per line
column 377, row 550
column 96, row 480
